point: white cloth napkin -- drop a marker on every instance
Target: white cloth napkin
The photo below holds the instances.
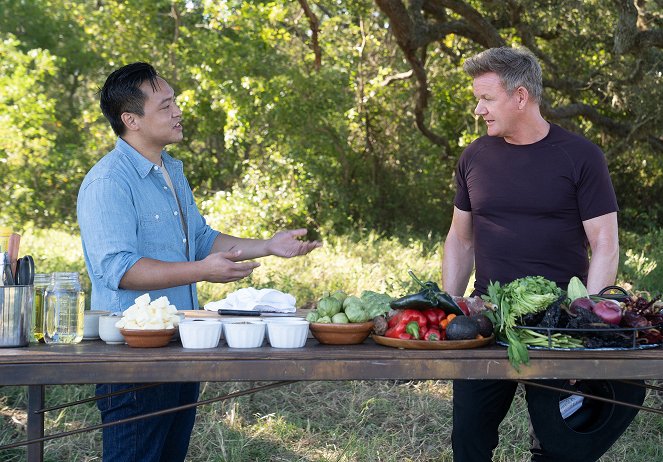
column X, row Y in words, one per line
column 250, row 299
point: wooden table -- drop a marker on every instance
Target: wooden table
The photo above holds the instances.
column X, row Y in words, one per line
column 96, row 362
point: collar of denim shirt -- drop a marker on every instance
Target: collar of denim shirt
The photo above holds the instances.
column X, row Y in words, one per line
column 140, row 162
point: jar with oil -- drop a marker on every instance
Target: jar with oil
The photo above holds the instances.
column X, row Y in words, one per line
column 64, row 306
column 41, row 283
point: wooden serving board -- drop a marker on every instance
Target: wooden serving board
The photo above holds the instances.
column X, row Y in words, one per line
column 426, row 345
column 214, row 315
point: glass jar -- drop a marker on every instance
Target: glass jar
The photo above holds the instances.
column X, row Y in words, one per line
column 64, row 306
column 5, row 232
column 41, row 283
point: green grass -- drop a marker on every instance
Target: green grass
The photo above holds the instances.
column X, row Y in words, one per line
column 317, row 421
column 326, row 421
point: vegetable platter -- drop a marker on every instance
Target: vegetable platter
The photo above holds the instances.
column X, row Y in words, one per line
column 431, row 319
column 533, row 313
column 426, row 345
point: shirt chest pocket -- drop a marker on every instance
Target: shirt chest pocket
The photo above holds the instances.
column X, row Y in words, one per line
column 158, row 233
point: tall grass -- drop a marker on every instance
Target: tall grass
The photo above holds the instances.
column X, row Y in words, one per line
column 325, row 421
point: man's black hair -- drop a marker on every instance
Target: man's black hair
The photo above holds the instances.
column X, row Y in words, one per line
column 121, row 93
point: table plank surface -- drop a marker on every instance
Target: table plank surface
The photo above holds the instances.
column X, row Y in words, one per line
column 95, row 362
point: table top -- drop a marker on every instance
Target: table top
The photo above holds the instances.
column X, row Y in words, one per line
column 97, row 362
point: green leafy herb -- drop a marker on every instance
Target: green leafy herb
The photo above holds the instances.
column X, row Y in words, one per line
column 530, row 294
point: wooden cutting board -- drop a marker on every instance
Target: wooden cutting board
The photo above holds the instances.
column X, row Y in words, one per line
column 214, row 315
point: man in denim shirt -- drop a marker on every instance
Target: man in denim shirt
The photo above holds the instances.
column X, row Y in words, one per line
column 142, row 232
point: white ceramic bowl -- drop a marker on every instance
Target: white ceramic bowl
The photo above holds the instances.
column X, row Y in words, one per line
column 200, row 333
column 182, row 317
column 107, row 330
column 291, row 334
column 279, row 319
column 238, row 319
column 269, row 319
column 244, row 334
column 91, row 323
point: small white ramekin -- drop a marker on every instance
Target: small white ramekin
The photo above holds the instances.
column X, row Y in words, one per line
column 290, row 334
column 244, row 334
column 237, row 319
column 200, row 333
column 91, row 323
column 277, row 319
column 107, row 330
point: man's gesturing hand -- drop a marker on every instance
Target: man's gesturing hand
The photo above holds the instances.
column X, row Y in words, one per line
column 220, row 267
column 285, row 244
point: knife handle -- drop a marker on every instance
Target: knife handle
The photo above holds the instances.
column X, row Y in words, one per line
column 12, row 251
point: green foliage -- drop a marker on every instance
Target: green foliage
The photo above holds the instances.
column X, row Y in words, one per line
column 269, row 136
column 349, row 263
column 641, row 261
column 27, row 133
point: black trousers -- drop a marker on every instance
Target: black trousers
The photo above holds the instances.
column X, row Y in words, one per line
column 479, row 406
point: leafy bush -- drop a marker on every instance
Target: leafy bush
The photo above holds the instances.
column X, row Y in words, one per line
column 351, row 263
column 267, row 199
column 641, row 261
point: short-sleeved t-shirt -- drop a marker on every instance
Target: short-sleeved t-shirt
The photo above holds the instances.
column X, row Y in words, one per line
column 528, row 203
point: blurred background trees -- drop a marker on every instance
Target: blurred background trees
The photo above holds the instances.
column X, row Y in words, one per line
column 334, row 115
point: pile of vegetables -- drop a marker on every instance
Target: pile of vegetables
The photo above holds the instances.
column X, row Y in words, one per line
column 430, row 296
column 341, row 308
column 528, row 295
column 533, row 311
column 413, row 324
column 431, row 315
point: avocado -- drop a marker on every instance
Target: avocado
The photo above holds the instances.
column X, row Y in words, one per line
column 462, row 328
column 485, row 325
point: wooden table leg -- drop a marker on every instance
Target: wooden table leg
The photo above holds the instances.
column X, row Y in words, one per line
column 36, row 398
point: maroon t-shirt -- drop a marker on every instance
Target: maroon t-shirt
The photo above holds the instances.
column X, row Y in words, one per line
column 528, row 204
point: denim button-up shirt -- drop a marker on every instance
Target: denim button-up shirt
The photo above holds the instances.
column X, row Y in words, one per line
column 125, row 212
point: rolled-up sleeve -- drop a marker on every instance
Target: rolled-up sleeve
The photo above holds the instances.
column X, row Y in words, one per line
column 108, row 225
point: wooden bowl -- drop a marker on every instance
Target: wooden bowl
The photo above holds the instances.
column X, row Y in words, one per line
column 147, row 338
column 341, row 334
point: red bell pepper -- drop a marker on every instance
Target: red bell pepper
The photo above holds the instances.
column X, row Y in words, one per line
column 433, row 335
column 434, row 316
column 407, row 324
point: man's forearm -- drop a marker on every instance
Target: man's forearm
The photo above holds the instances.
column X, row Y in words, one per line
column 604, row 242
column 457, row 266
column 250, row 248
column 149, row 274
column 602, row 269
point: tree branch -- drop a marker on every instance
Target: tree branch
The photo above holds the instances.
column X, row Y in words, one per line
column 409, row 33
column 400, row 76
column 589, row 112
column 628, row 37
column 315, row 29
column 488, row 36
